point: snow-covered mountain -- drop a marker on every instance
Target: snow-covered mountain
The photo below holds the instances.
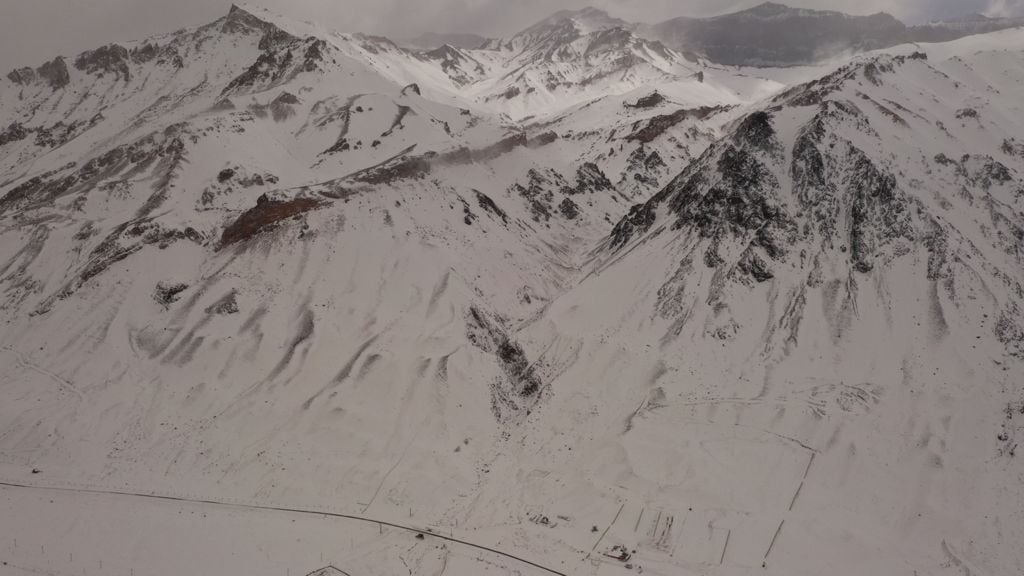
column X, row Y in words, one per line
column 953, row 28
column 575, row 56
column 281, row 300
column 773, row 34
column 433, row 40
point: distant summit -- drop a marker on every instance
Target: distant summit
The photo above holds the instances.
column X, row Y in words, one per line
column 435, row 40
column 968, row 25
column 774, row 34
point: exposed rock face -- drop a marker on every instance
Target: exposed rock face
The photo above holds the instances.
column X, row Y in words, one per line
column 639, row 220
column 240, row 21
column 569, row 209
column 462, row 68
column 282, row 107
column 13, row 133
column 266, row 214
column 22, row 76
column 167, row 293
column 650, row 101
column 658, row 125
column 110, row 59
column 539, row 192
column 846, row 205
column 54, row 73
column 756, row 131
column 590, row 179
column 489, row 205
column 548, row 193
column 160, row 150
column 643, row 172
column 731, row 196
column 144, row 53
column 278, row 63
column 228, row 304
column 519, row 389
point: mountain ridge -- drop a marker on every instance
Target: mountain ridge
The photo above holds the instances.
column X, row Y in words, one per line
column 656, row 314
column 674, row 31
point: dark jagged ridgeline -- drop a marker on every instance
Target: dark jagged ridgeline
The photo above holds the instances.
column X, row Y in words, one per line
column 109, row 59
column 652, row 100
column 731, row 194
column 276, row 65
column 54, row 73
column 658, row 125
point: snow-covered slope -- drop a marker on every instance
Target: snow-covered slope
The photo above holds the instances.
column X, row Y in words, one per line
column 814, row 352
column 572, row 57
column 303, row 298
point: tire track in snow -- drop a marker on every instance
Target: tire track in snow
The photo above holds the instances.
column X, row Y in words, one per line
column 23, row 362
column 302, row 511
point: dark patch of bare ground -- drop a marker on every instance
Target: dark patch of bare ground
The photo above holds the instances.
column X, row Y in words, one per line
column 265, row 215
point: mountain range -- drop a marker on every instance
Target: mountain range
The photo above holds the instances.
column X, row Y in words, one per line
column 595, row 298
column 772, row 34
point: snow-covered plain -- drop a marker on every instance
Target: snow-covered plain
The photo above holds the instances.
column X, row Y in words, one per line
column 276, row 299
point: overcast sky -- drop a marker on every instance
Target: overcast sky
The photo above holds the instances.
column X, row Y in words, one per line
column 32, row 31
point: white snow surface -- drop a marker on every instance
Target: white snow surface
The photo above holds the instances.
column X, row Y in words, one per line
column 277, row 300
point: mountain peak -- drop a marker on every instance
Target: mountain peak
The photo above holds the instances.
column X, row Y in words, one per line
column 584, row 20
column 433, row 40
column 770, row 9
column 253, row 17
column 972, row 17
column 244, row 14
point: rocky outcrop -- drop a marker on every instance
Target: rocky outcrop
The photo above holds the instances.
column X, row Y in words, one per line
column 658, row 125
column 519, row 389
column 265, row 215
column 643, row 172
column 278, row 64
column 159, row 152
column 569, row 209
column 282, row 107
column 22, row 76
column 652, row 100
column 589, row 179
column 110, row 59
column 638, row 221
column 13, row 133
column 241, row 21
column 54, row 73
column 539, row 192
